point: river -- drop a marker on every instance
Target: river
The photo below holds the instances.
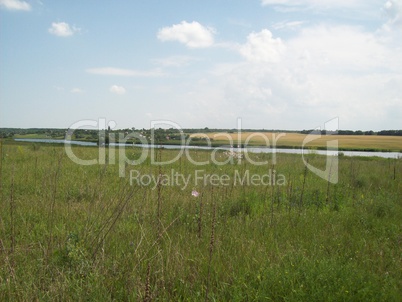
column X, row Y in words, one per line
column 249, row 149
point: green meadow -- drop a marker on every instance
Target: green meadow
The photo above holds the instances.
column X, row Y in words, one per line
column 269, row 232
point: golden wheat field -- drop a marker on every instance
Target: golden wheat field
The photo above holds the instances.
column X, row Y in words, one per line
column 379, row 142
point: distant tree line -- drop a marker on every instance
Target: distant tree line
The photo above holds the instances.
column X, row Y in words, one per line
column 357, row 132
column 390, row 132
column 165, row 134
column 49, row 132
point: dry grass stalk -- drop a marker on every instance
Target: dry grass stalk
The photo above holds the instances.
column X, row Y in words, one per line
column 147, row 296
column 159, row 188
column 1, row 166
column 2, row 248
column 155, row 242
column 52, row 206
column 303, row 186
column 12, row 214
column 394, row 169
column 290, row 194
column 211, row 248
column 327, row 199
column 200, row 217
column 272, row 195
column 124, row 198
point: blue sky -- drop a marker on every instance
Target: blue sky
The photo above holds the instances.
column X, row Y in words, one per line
column 276, row 64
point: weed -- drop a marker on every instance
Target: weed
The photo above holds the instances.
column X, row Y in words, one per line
column 70, row 232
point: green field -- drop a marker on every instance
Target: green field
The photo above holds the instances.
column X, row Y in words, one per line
column 35, row 136
column 70, row 232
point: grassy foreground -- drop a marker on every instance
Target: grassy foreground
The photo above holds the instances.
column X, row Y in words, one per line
column 71, row 233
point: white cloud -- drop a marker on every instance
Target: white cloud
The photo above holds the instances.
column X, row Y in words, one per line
column 193, row 35
column 321, row 73
column 15, row 5
column 358, row 10
column 327, row 4
column 175, row 61
column 58, row 88
column 393, row 10
column 117, row 89
column 77, row 90
column 292, row 25
column 62, row 29
column 262, row 47
column 340, row 48
column 112, row 71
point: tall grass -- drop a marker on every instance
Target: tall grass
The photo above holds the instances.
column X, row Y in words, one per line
column 70, row 232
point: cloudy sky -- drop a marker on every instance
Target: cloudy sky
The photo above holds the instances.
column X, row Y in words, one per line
column 277, row 64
